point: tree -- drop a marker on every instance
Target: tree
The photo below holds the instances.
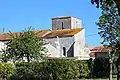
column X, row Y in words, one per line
column 107, row 3
column 109, row 27
column 24, row 45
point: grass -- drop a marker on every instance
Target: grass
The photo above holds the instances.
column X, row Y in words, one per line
column 99, row 79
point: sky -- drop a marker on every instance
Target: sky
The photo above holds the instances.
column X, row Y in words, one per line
column 16, row 15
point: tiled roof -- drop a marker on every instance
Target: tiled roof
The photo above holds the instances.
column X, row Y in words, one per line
column 41, row 33
column 6, row 36
column 63, row 33
column 46, row 33
column 99, row 49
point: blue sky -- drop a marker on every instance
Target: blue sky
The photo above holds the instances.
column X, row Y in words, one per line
column 15, row 15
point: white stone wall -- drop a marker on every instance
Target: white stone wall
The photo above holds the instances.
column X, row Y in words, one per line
column 52, row 51
column 2, row 46
column 66, row 42
column 76, row 23
column 79, row 43
column 57, row 23
column 68, row 23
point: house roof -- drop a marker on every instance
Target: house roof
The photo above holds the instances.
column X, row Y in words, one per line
column 99, row 49
column 45, row 33
column 6, row 36
column 41, row 33
column 63, row 33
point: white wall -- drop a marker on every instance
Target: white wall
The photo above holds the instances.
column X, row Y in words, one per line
column 76, row 23
column 79, row 43
column 66, row 42
column 57, row 23
column 2, row 46
column 52, row 51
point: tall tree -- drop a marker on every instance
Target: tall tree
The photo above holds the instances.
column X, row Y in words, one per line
column 107, row 3
column 24, row 46
column 109, row 24
column 109, row 27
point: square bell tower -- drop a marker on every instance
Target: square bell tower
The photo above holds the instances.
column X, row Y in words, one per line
column 65, row 22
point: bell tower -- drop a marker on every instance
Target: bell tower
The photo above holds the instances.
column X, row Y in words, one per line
column 65, row 22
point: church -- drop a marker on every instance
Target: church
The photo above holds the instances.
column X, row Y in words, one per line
column 66, row 39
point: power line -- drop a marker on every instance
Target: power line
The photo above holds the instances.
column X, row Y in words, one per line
column 91, row 35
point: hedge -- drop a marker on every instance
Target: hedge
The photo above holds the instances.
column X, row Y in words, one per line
column 54, row 69
column 60, row 69
column 6, row 70
column 101, row 68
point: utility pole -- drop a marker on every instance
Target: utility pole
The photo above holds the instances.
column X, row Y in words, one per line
column 110, row 62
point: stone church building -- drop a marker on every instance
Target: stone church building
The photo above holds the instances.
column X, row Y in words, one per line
column 66, row 39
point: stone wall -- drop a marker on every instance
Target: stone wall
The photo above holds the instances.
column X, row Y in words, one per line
column 76, row 23
column 79, row 43
column 57, row 24
column 66, row 23
column 2, row 46
column 66, row 42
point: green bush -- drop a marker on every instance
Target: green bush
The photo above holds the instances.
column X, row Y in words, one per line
column 67, row 69
column 30, row 71
column 56, row 69
column 6, row 71
column 53, row 69
column 101, row 67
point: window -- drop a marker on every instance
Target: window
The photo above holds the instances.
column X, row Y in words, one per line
column 64, row 51
column 62, row 26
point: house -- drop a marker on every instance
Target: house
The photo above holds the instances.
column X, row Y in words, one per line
column 99, row 52
column 66, row 39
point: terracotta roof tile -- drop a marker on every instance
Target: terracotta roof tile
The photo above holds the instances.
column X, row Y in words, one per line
column 41, row 33
column 62, row 33
column 99, row 49
column 46, row 33
column 6, row 36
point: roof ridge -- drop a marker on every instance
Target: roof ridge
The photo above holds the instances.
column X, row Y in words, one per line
column 67, row 29
column 62, row 33
column 46, row 33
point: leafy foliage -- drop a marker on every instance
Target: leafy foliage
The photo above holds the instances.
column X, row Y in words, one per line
column 55, row 69
column 68, row 69
column 24, row 45
column 107, row 3
column 101, row 67
column 109, row 25
column 6, row 71
column 100, row 3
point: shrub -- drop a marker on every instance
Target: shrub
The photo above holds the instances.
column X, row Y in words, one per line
column 101, row 67
column 30, row 71
column 6, row 71
column 66, row 69
column 53, row 69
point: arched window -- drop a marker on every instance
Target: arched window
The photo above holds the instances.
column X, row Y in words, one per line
column 64, row 51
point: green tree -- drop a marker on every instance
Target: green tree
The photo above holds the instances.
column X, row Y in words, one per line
column 107, row 3
column 109, row 27
column 24, row 45
column 109, row 24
